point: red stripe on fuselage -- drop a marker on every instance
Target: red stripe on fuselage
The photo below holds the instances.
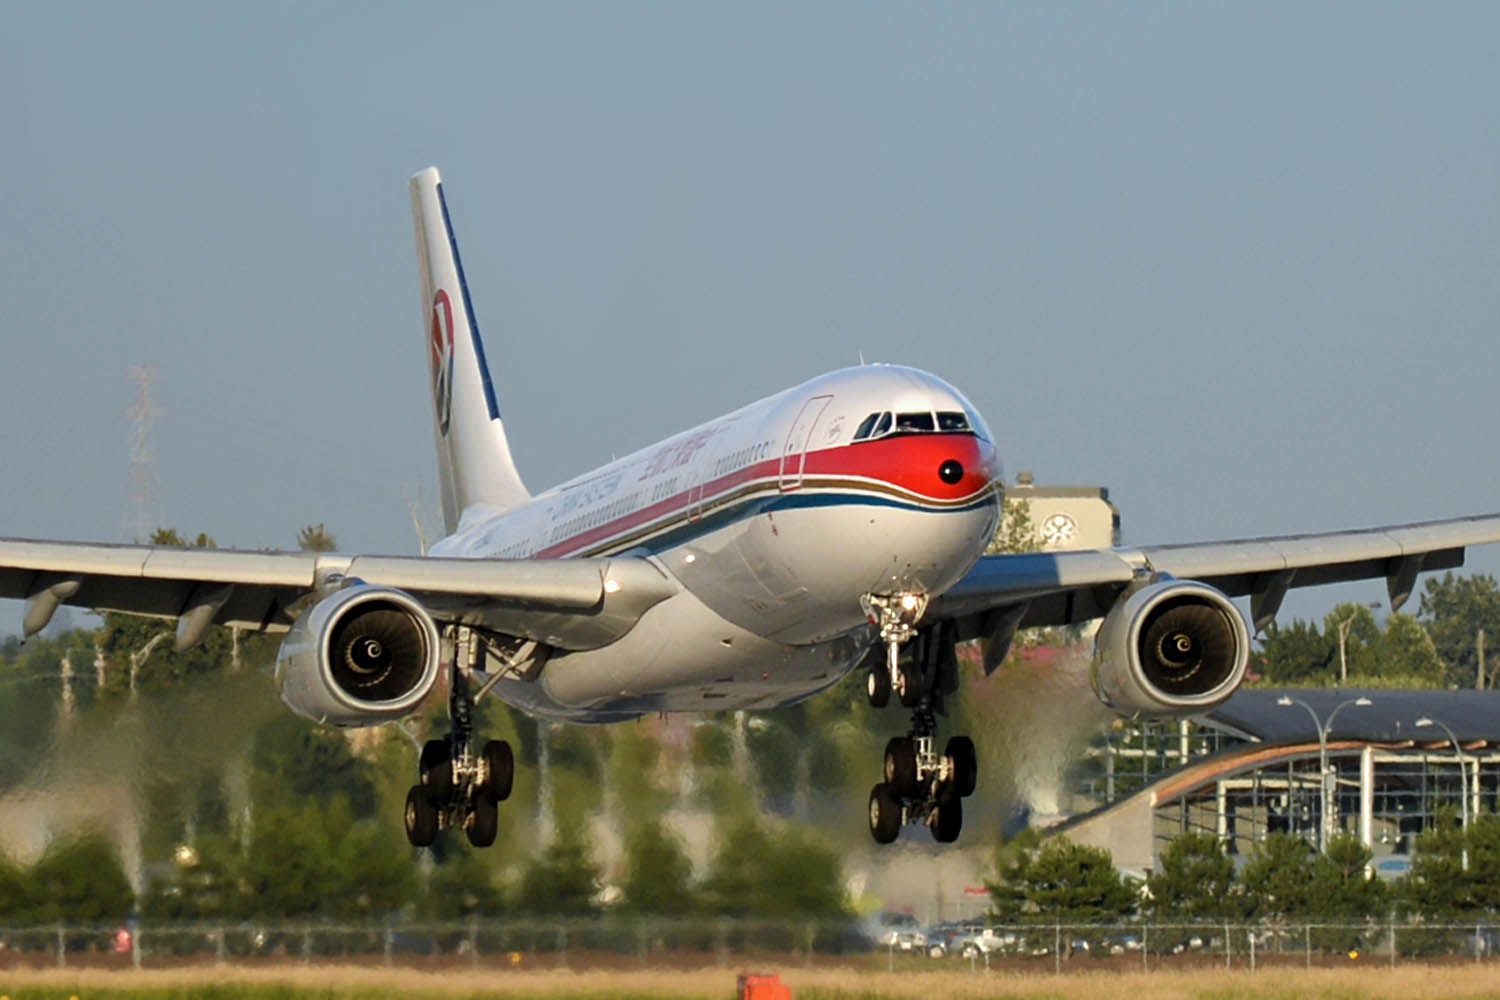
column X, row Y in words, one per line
column 909, row 463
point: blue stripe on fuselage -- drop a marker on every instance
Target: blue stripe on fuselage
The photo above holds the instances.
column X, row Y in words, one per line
column 678, row 532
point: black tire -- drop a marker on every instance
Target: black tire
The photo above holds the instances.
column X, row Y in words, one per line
column 484, row 823
column 947, row 821
column 909, row 685
column 885, row 814
column 436, row 768
column 960, row 753
column 501, row 764
column 421, row 817
column 901, row 766
column 878, row 685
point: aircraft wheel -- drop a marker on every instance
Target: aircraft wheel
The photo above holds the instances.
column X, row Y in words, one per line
column 909, row 685
column 947, row 820
column 960, row 753
column 901, row 766
column 501, row 764
column 421, row 817
column 878, row 685
column 436, row 768
column 885, row 814
column 483, row 823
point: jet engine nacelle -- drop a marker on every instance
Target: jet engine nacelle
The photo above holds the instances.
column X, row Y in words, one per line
column 362, row 656
column 1171, row 648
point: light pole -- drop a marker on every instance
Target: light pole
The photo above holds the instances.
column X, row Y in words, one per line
column 1463, row 782
column 1323, row 729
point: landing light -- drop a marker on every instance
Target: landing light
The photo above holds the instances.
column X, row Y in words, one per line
column 611, row 586
column 909, row 602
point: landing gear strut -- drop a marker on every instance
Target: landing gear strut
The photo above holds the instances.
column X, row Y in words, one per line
column 459, row 786
column 921, row 785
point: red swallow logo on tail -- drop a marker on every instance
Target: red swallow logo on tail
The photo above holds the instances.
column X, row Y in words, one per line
column 441, row 358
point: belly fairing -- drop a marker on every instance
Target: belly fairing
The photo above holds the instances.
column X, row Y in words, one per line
column 684, row 657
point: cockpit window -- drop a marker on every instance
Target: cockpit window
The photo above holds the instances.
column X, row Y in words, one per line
column 878, row 425
column 866, row 426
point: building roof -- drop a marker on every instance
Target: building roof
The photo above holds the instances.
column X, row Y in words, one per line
column 1474, row 716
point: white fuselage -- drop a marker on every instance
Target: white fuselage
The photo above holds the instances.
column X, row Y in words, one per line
column 775, row 519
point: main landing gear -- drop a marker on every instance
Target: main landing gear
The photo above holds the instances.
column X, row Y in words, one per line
column 459, row 786
column 920, row 785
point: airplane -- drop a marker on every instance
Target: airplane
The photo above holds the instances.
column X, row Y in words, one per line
column 747, row 563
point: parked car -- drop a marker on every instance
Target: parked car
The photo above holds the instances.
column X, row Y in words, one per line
column 888, row 930
column 986, row 941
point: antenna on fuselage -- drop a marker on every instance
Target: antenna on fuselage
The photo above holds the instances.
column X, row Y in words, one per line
column 861, row 359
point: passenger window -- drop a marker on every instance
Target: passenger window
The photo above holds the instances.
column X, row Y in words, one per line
column 949, row 420
column 914, row 422
column 866, row 426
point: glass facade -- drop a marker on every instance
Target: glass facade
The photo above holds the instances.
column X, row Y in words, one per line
column 1385, row 793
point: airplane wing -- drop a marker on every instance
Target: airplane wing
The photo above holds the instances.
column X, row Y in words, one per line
column 1065, row 588
column 566, row 603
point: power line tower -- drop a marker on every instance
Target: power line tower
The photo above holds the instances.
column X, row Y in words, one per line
column 142, row 413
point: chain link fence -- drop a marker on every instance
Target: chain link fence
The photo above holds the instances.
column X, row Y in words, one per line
column 647, row 943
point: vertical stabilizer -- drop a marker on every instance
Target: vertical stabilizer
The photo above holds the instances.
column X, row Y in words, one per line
column 475, row 467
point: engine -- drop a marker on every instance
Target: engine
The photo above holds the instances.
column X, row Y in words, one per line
column 360, row 657
column 1171, row 648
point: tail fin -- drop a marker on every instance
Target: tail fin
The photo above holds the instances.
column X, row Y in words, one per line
column 474, row 461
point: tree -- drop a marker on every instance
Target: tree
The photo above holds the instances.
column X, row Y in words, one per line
column 1075, row 882
column 1061, row 881
column 563, row 880
column 207, row 883
column 1352, row 630
column 1341, row 886
column 766, row 872
column 1194, row 879
column 288, row 868
column 1277, row 878
column 802, row 877
column 1296, row 654
column 1015, row 533
column 734, row 883
column 462, row 884
column 1454, row 609
column 1405, row 653
column 316, row 538
column 1437, row 886
column 80, row 881
column 17, row 899
column 296, row 759
column 659, row 871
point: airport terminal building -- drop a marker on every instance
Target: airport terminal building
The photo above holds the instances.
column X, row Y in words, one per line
column 1376, row 763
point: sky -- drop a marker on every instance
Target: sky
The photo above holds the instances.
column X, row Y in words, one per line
column 1238, row 263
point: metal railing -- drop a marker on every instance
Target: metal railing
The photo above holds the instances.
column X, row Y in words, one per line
column 618, row 943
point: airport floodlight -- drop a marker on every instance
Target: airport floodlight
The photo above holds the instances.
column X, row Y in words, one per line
column 1463, row 772
column 1323, row 728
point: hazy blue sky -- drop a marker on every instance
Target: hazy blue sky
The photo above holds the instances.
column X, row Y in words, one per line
column 1239, row 263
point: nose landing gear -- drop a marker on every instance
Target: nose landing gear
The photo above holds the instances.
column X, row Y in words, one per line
column 459, row 786
column 921, row 785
